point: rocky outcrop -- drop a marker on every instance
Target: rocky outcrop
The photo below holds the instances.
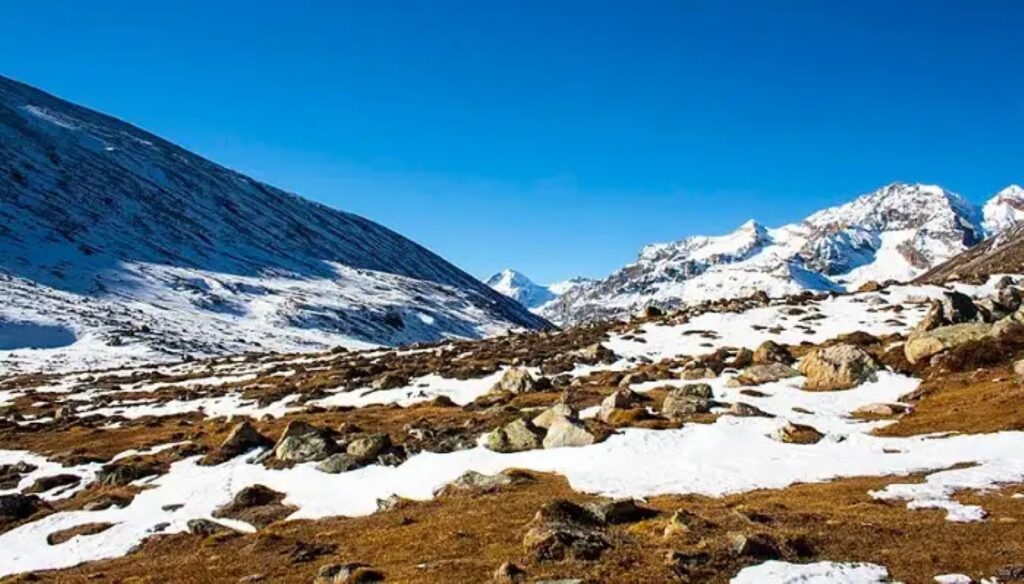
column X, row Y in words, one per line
column 516, row 436
column 301, row 442
column 687, row 400
column 923, row 345
column 564, row 530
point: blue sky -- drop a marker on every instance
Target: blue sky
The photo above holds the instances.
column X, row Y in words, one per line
column 557, row 137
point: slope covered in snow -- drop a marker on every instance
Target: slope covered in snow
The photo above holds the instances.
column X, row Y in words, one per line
column 897, row 233
column 116, row 245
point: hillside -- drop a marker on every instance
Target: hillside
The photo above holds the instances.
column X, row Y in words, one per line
column 116, row 246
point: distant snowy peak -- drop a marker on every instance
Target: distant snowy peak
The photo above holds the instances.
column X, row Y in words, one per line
column 523, row 290
column 520, row 288
column 1003, row 210
column 896, row 232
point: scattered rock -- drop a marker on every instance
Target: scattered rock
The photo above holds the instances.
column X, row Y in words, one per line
column 770, row 352
column 44, row 484
column 566, row 432
column 516, row 436
column 689, row 399
column 349, row 573
column 559, row 410
column 475, row 481
column 837, row 367
column 366, row 449
column 761, row 374
column 338, row 463
column 515, row 381
column 509, row 573
column 301, row 442
column 123, row 473
column 564, row 530
column 745, row 410
column 881, row 410
column 207, row 528
column 17, row 506
column 757, row 546
column 793, row 433
column 620, row 399
column 618, row 511
column 242, row 438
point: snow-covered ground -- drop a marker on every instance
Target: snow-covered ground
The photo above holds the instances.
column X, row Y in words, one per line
column 731, row 455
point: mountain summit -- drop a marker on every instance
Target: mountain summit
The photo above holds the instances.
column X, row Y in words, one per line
column 115, row 240
column 896, row 232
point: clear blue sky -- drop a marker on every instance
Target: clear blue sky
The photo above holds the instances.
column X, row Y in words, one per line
column 554, row 136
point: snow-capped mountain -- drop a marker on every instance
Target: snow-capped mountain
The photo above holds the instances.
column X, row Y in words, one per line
column 520, row 288
column 116, row 245
column 525, row 291
column 1004, row 210
column 897, row 232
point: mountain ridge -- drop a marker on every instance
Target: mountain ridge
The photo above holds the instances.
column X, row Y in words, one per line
column 108, row 231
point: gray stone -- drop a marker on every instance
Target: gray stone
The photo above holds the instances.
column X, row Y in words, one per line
column 566, row 432
column 516, row 436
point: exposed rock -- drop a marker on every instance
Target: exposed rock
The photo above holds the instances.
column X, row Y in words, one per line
column 257, row 505
column 758, row 546
column 566, row 432
column 761, row 374
column 793, row 433
column 621, row 399
column 86, row 529
column 242, row 438
column 869, row 286
column 745, row 410
column 207, row 527
column 48, row 483
column 881, row 410
column 516, row 436
column 301, row 442
column 509, row 573
column 923, row 345
column 683, row 522
column 697, row 373
column 952, row 308
column 837, row 367
column 338, row 463
column 564, row 530
column 516, row 380
column 772, row 352
column 596, row 353
column 689, row 399
column 348, row 573
column 123, row 473
column 366, row 449
column 17, row 506
column 475, row 481
column 619, row 511
column 390, row 380
column 559, row 410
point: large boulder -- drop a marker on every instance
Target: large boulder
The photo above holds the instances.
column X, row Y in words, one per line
column 687, row 400
column 17, row 506
column 301, row 442
column 761, row 374
column 924, row 344
column 516, row 436
column 567, row 432
column 837, row 367
column 516, row 380
column 366, row 449
column 952, row 308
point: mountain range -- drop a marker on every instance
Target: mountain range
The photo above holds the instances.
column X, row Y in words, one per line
column 118, row 246
column 895, row 233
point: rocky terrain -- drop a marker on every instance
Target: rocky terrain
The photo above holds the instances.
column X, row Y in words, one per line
column 118, row 247
column 846, row 437
column 897, row 232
